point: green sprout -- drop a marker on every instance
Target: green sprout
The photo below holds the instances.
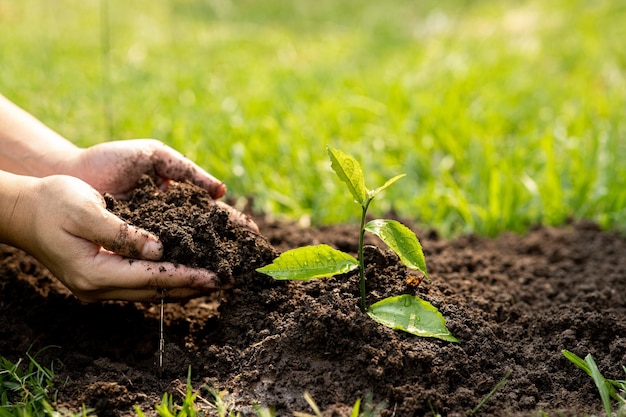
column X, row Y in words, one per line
column 608, row 388
column 405, row 312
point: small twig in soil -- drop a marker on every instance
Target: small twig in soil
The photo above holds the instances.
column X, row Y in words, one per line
column 161, row 338
column 499, row 385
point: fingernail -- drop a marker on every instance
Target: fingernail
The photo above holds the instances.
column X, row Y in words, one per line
column 206, row 279
column 152, row 249
column 218, row 190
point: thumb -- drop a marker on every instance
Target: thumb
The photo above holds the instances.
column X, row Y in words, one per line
column 114, row 234
column 132, row 242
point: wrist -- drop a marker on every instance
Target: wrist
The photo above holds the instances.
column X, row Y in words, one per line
column 53, row 159
column 28, row 147
column 17, row 208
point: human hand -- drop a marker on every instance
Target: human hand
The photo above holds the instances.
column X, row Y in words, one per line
column 63, row 222
column 116, row 167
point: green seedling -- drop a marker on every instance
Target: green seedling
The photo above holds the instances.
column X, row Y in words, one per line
column 608, row 388
column 218, row 405
column 27, row 389
column 359, row 409
column 405, row 312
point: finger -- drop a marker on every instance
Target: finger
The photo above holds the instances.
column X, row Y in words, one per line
column 238, row 217
column 109, row 231
column 153, row 295
column 173, row 165
column 114, row 272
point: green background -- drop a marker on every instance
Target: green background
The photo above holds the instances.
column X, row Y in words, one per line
column 502, row 114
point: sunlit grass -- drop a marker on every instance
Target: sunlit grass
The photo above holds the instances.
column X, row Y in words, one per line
column 502, row 114
column 27, row 390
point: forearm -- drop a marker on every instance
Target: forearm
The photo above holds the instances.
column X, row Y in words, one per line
column 29, row 147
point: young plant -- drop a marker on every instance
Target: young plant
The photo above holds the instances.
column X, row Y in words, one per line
column 608, row 388
column 24, row 389
column 367, row 409
column 405, row 312
column 217, row 405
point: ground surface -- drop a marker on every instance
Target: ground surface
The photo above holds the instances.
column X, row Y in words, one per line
column 513, row 302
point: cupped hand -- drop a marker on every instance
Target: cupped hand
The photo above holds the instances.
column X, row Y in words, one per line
column 64, row 224
column 116, row 167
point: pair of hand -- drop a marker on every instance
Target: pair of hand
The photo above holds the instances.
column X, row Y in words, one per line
column 87, row 247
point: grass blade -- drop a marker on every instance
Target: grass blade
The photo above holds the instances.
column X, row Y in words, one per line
column 606, row 387
column 312, row 404
column 576, row 360
column 602, row 384
column 499, row 385
column 356, row 408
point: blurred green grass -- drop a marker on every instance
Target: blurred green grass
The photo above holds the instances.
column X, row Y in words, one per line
column 502, row 114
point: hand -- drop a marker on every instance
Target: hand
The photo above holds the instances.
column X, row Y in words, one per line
column 62, row 221
column 116, row 167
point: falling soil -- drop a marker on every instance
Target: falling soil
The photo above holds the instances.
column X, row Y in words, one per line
column 514, row 303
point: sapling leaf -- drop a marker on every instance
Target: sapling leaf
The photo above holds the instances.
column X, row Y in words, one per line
column 349, row 171
column 373, row 193
column 310, row 262
column 402, row 241
column 411, row 314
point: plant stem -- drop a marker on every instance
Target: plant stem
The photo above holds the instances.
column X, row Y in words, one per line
column 361, row 260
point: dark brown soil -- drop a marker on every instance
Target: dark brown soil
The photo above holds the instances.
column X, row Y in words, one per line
column 193, row 229
column 514, row 303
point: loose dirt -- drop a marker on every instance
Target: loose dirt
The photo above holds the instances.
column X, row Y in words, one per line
column 514, row 303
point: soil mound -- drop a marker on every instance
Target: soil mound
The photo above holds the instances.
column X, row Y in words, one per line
column 514, row 303
column 194, row 230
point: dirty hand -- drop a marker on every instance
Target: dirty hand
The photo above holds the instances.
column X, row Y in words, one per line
column 116, row 167
column 62, row 221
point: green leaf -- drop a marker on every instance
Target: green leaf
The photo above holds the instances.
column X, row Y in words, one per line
column 402, row 241
column 373, row 193
column 310, row 262
column 603, row 386
column 356, row 408
column 588, row 365
column 411, row 314
column 576, row 360
column 349, row 171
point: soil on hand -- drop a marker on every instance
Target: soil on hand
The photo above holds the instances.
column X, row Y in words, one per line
column 194, row 230
column 514, row 303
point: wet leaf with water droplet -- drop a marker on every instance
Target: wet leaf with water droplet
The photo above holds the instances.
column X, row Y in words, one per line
column 349, row 171
column 402, row 241
column 310, row 262
column 411, row 314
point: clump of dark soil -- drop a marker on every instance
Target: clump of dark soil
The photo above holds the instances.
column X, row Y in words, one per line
column 514, row 303
column 193, row 229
